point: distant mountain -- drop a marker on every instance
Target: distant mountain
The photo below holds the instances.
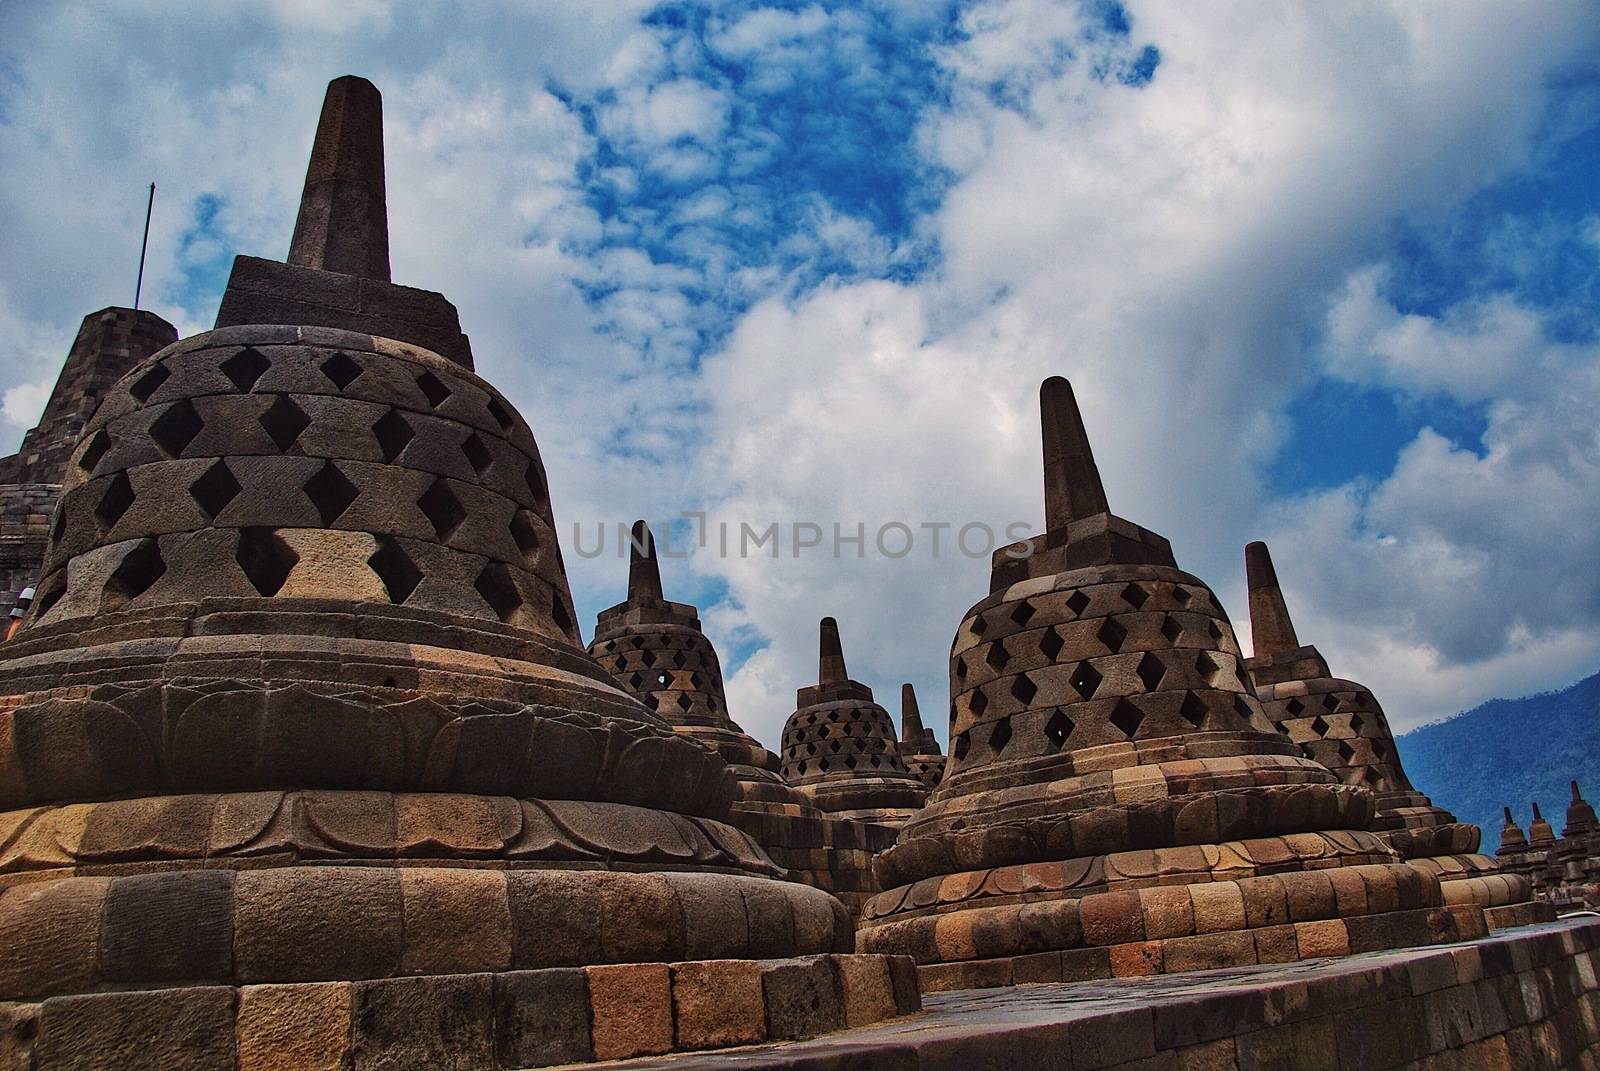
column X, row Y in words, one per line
column 1510, row 752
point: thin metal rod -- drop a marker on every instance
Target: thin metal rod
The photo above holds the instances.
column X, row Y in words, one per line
column 144, row 245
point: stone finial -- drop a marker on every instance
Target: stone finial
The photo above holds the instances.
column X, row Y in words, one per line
column 1509, row 820
column 911, row 729
column 831, row 669
column 343, row 224
column 1577, row 797
column 1580, row 815
column 1539, row 829
column 1270, row 624
column 644, row 571
column 1072, row 487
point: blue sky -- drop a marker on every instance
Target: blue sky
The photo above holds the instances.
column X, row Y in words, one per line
column 1321, row 275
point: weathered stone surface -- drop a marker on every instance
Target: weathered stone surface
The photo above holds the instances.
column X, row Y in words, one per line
column 632, row 1009
column 293, row 1027
column 718, row 1003
column 542, row 1017
column 443, row 1022
column 187, row 1029
column 803, row 998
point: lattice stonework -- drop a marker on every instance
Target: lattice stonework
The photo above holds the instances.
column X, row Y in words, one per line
column 307, row 463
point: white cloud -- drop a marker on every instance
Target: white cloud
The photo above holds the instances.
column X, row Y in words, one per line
column 21, row 405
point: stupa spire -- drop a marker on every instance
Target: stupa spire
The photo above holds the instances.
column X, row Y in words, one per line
column 1072, row 487
column 1270, row 623
column 831, row 668
column 911, row 729
column 644, row 571
column 343, row 225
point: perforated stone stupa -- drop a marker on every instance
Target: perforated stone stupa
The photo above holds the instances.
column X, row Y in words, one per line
column 1116, row 801
column 1340, row 724
column 656, row 650
column 300, row 753
column 840, row 749
column 919, row 748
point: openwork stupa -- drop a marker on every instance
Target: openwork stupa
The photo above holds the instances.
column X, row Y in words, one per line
column 301, row 754
column 840, row 749
column 919, row 748
column 1340, row 724
column 1116, row 801
column 656, row 650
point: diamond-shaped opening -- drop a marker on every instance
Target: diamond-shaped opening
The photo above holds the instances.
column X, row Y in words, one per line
column 836, row 746
column 1181, row 595
column 1058, row 728
column 140, row 568
column 443, row 510
column 996, row 656
column 1112, row 634
column 1077, row 602
column 679, row 660
column 651, row 701
column 1356, row 723
column 399, row 574
column 1171, row 629
column 1241, row 707
column 833, row 715
column 477, row 454
column 1127, row 718
column 330, row 491
column 114, row 501
column 1022, row 614
column 1000, row 735
column 1207, row 667
column 177, row 427
column 341, row 369
column 393, row 433
column 978, row 703
column 147, row 384
column 1214, row 630
column 1151, row 670
column 961, row 669
column 495, row 585
column 432, row 389
column 647, row 657
column 559, row 613
column 98, row 445
column 1023, row 690
column 963, row 745
column 523, row 533
column 850, row 761
column 685, row 703
column 1134, row 595
column 1085, row 679
column 695, row 680
column 1319, row 726
column 534, row 477
column 1051, row 643
column 1193, row 710
column 979, row 625
column 1347, row 750
column 500, row 413
column 1294, row 707
column 1330, row 702
column 265, row 558
column 284, row 421
column 635, row 680
column 244, row 368
column 48, row 596
column 215, row 488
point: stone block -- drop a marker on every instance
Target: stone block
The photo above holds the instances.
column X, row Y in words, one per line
column 866, row 989
column 51, row 934
column 553, row 920
column 1209, row 951
column 1135, row 959
column 19, row 1027
column 802, row 997
column 717, row 1003
column 161, row 1030
column 301, row 1027
column 444, row 1022
column 542, row 1017
column 1111, row 918
column 1327, row 937
column 632, row 1009
column 1217, row 906
column 456, row 920
column 907, row 987
column 1113, row 1038
column 312, row 924
column 169, row 928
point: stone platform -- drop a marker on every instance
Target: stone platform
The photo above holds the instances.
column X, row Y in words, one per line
column 1524, row 998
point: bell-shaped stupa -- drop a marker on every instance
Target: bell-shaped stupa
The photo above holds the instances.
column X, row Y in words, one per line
column 1116, row 801
column 919, row 748
column 300, row 740
column 657, row 651
column 840, row 748
column 1340, row 724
